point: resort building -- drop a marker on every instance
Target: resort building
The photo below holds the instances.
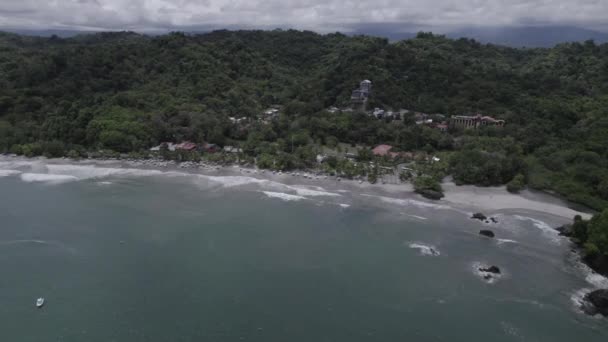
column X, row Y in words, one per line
column 463, row 121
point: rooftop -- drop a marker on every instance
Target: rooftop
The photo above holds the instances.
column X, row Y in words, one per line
column 382, row 150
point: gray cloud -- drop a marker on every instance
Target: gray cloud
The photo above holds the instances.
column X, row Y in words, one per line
column 319, row 15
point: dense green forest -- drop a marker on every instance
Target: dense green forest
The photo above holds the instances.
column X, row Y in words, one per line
column 126, row 92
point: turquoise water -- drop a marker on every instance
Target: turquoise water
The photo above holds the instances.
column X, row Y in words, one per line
column 126, row 257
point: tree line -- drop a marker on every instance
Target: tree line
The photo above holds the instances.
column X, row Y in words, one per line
column 125, row 92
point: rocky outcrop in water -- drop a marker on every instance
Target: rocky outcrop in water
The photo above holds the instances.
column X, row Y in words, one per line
column 430, row 194
column 598, row 263
column 565, row 230
column 479, row 216
column 491, row 269
column 599, row 300
column 487, row 233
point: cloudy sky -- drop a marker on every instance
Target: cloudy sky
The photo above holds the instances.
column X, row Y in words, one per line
column 318, row 15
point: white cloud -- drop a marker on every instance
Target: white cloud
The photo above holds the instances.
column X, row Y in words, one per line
column 320, row 15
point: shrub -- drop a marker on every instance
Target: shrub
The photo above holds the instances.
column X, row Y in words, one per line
column 516, row 184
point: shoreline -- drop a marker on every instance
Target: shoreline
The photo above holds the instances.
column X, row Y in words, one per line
column 298, row 185
column 483, row 199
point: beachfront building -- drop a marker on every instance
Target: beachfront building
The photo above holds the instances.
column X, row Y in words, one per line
column 463, row 121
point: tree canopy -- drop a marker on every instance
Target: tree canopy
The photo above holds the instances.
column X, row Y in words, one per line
column 126, row 92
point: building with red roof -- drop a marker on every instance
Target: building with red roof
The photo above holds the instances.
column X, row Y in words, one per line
column 382, row 150
column 186, row 146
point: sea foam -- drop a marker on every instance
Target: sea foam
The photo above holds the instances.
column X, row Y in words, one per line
column 47, row 178
column 408, row 202
column 308, row 192
column 233, row 181
column 83, row 172
column 425, row 249
column 6, row 173
column 543, row 226
column 283, row 196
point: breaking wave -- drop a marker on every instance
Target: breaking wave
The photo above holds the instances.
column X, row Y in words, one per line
column 83, row 172
column 313, row 193
column 232, row 181
column 418, row 217
column 47, row 178
column 343, row 205
column 409, row 202
column 6, row 173
column 425, row 249
column 543, row 226
column 283, row 196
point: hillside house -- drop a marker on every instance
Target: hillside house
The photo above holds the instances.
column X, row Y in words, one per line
column 361, row 94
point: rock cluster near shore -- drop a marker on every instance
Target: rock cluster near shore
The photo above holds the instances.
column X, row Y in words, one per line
column 430, row 194
column 489, row 273
column 483, row 218
column 595, row 301
column 599, row 300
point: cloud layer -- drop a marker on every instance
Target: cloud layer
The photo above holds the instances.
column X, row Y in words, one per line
column 319, row 15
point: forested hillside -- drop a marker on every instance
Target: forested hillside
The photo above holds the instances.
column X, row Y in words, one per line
column 127, row 92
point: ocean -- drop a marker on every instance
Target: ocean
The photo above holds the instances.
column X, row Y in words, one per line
column 129, row 254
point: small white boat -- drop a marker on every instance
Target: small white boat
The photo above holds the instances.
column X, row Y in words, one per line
column 39, row 302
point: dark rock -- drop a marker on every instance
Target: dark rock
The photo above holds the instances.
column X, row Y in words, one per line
column 493, row 220
column 479, row 216
column 598, row 263
column 487, row 233
column 599, row 299
column 491, row 269
column 565, row 230
column 430, row 194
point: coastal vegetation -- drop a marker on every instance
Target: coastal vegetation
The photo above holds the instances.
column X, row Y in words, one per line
column 428, row 187
column 592, row 236
column 118, row 94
